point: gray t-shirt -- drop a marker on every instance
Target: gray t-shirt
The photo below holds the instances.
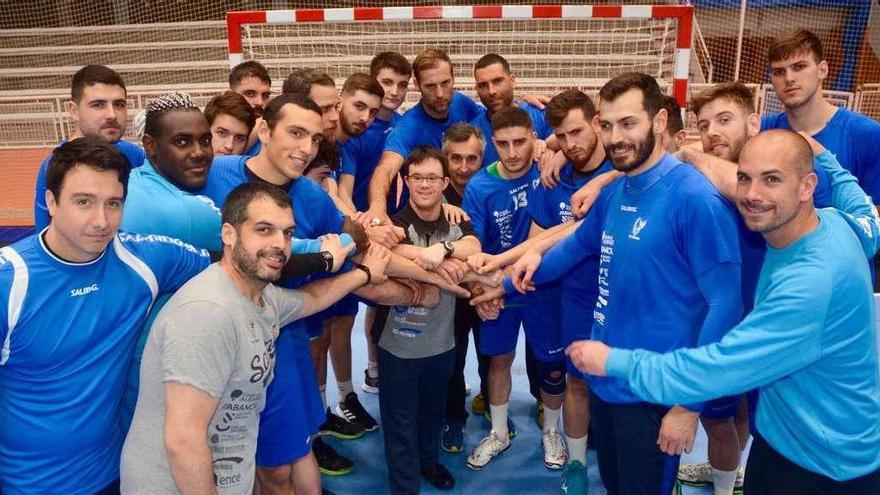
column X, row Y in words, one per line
column 208, row 336
column 413, row 332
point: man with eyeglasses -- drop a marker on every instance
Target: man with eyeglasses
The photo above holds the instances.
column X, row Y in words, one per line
column 417, row 344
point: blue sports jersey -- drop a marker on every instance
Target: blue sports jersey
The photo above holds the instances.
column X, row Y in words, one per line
column 813, row 331
column 156, row 206
column 313, row 210
column 500, row 216
column 551, row 207
column 483, row 122
column 417, row 128
column 133, row 152
column 67, row 344
column 853, row 138
column 361, row 154
column 655, row 234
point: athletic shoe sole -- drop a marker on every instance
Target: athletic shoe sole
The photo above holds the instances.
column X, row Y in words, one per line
column 339, row 436
column 341, row 472
column 554, row 467
column 451, row 450
column 369, row 389
column 477, row 468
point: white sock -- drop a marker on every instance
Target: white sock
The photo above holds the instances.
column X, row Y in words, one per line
column 724, row 481
column 551, row 418
column 499, row 420
column 344, row 389
column 372, row 369
column 577, row 448
column 323, row 389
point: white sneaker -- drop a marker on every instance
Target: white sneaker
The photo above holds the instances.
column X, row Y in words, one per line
column 695, row 474
column 486, row 450
column 555, row 453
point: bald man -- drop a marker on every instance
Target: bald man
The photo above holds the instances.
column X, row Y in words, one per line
column 809, row 345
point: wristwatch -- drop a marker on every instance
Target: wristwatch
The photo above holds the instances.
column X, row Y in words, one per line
column 327, row 258
column 449, row 247
column 366, row 270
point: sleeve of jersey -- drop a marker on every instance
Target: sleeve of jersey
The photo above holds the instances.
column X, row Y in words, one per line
column 472, row 207
column 199, row 348
column 6, row 275
column 472, row 109
column 563, row 257
column 709, row 232
column 467, row 228
column 848, row 197
column 41, row 212
column 288, row 304
column 537, row 207
column 400, row 140
column 174, row 263
column 720, row 286
column 333, row 218
column 786, row 322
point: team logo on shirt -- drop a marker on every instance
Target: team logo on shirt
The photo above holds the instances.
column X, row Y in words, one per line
column 638, row 225
column 83, row 291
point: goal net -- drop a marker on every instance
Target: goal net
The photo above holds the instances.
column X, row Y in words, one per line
column 550, row 47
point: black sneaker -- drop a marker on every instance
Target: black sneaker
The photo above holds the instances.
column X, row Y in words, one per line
column 338, row 427
column 329, row 461
column 370, row 385
column 439, row 477
column 352, row 410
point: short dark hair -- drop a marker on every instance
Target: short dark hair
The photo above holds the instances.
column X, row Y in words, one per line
column 235, row 210
column 327, row 155
column 421, row 153
column 430, row 59
column 91, row 75
column 301, row 81
column 460, row 132
column 652, row 97
column 491, row 59
column 390, row 60
column 272, row 112
column 88, row 151
column 363, row 82
column 511, row 117
column 673, row 111
column 244, row 70
column 735, row 92
column 795, row 42
column 163, row 105
column 560, row 105
column 232, row 104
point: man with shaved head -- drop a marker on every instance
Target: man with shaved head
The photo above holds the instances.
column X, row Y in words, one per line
column 809, row 345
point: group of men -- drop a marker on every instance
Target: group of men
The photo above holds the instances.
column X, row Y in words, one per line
column 658, row 284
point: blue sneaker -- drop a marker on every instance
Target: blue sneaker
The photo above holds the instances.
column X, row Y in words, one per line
column 574, row 479
column 453, row 436
column 511, row 428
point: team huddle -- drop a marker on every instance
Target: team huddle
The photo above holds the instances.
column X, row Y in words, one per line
column 168, row 327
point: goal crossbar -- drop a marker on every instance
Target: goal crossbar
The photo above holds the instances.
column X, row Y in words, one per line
column 237, row 23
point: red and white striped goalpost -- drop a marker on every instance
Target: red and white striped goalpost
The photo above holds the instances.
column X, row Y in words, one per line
column 682, row 14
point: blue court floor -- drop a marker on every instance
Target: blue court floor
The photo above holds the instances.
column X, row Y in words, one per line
column 519, row 470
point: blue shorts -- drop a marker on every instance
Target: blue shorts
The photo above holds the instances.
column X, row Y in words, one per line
column 722, row 407
column 577, row 323
column 314, row 325
column 347, row 306
column 294, row 409
column 542, row 324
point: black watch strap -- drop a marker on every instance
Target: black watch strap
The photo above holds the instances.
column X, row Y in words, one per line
column 366, row 270
column 327, row 258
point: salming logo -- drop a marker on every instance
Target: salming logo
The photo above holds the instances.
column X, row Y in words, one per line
column 638, row 225
column 83, row 291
